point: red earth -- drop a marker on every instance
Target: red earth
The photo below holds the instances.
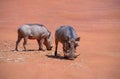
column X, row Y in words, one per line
column 97, row 22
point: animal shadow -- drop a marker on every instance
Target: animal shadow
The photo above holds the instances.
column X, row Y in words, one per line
column 59, row 57
column 28, row 50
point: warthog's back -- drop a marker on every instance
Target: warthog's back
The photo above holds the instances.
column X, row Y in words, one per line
column 33, row 31
column 65, row 32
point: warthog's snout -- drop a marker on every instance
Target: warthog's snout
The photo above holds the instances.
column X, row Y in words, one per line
column 50, row 48
column 72, row 57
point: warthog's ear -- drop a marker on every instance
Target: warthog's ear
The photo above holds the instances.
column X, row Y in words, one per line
column 77, row 39
column 49, row 34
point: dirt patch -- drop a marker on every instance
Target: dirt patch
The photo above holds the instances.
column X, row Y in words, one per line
column 96, row 22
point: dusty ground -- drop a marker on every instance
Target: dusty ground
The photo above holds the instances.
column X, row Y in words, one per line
column 97, row 22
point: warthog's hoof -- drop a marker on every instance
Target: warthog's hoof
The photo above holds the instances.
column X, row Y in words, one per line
column 49, row 49
column 16, row 49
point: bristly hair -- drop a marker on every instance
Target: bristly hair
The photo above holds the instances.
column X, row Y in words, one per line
column 36, row 24
column 71, row 31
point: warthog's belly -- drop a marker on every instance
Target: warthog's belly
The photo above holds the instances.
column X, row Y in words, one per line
column 33, row 37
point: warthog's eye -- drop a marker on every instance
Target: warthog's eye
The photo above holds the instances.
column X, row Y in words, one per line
column 68, row 44
column 76, row 44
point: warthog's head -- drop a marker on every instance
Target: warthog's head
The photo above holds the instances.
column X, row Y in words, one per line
column 69, row 47
column 48, row 42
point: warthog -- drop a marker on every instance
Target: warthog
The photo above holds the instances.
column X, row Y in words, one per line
column 68, row 37
column 34, row 31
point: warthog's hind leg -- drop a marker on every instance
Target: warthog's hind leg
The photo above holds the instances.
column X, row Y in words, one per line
column 17, row 42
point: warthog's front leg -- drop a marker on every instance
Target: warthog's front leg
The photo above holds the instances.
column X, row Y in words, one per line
column 25, row 42
column 40, row 42
column 56, row 44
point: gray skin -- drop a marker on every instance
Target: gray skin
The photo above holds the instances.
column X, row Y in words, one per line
column 37, row 32
column 69, row 39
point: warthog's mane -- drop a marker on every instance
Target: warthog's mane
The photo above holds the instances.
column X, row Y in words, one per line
column 41, row 25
